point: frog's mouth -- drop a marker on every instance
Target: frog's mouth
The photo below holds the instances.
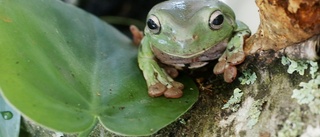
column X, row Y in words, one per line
column 195, row 60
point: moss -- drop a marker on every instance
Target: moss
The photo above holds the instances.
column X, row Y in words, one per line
column 243, row 133
column 276, row 67
column 263, row 90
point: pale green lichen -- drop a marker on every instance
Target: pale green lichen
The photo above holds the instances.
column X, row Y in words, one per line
column 248, row 77
column 235, row 99
column 309, row 94
column 299, row 65
column 293, row 126
column 313, row 68
column 254, row 114
column 315, row 106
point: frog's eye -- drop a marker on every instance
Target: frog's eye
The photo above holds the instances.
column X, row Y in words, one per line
column 216, row 20
column 154, row 24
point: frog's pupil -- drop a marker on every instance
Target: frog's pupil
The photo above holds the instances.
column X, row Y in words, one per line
column 152, row 25
column 218, row 20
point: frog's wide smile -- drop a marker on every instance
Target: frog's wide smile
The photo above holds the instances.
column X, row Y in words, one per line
column 195, row 60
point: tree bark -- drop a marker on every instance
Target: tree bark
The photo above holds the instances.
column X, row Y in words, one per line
column 284, row 23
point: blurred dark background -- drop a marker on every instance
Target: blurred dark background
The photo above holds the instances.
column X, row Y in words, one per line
column 119, row 13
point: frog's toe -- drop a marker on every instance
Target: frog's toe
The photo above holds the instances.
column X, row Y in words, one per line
column 219, row 67
column 172, row 72
column 236, row 58
column 173, row 92
column 157, row 90
column 230, row 73
column 136, row 34
column 177, row 85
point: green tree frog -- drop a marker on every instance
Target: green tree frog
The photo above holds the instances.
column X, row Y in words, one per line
column 189, row 34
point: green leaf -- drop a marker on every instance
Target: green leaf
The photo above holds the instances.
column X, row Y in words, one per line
column 9, row 120
column 67, row 70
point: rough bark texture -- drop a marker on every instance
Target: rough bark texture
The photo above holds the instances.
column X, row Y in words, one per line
column 283, row 23
column 266, row 108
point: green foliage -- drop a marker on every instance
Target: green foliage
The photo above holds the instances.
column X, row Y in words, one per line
column 248, row 77
column 67, row 70
column 233, row 102
column 9, row 120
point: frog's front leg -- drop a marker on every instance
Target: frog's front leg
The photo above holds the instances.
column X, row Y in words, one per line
column 158, row 81
column 233, row 54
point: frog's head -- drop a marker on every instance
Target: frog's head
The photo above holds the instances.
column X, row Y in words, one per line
column 186, row 28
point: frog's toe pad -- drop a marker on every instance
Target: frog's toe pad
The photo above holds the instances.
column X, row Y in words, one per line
column 230, row 73
column 173, row 92
column 177, row 85
column 172, row 72
column 219, row 67
column 236, row 58
column 157, row 90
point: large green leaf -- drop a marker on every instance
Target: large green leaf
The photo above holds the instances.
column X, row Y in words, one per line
column 66, row 70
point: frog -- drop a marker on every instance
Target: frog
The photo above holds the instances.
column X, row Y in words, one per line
column 189, row 34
